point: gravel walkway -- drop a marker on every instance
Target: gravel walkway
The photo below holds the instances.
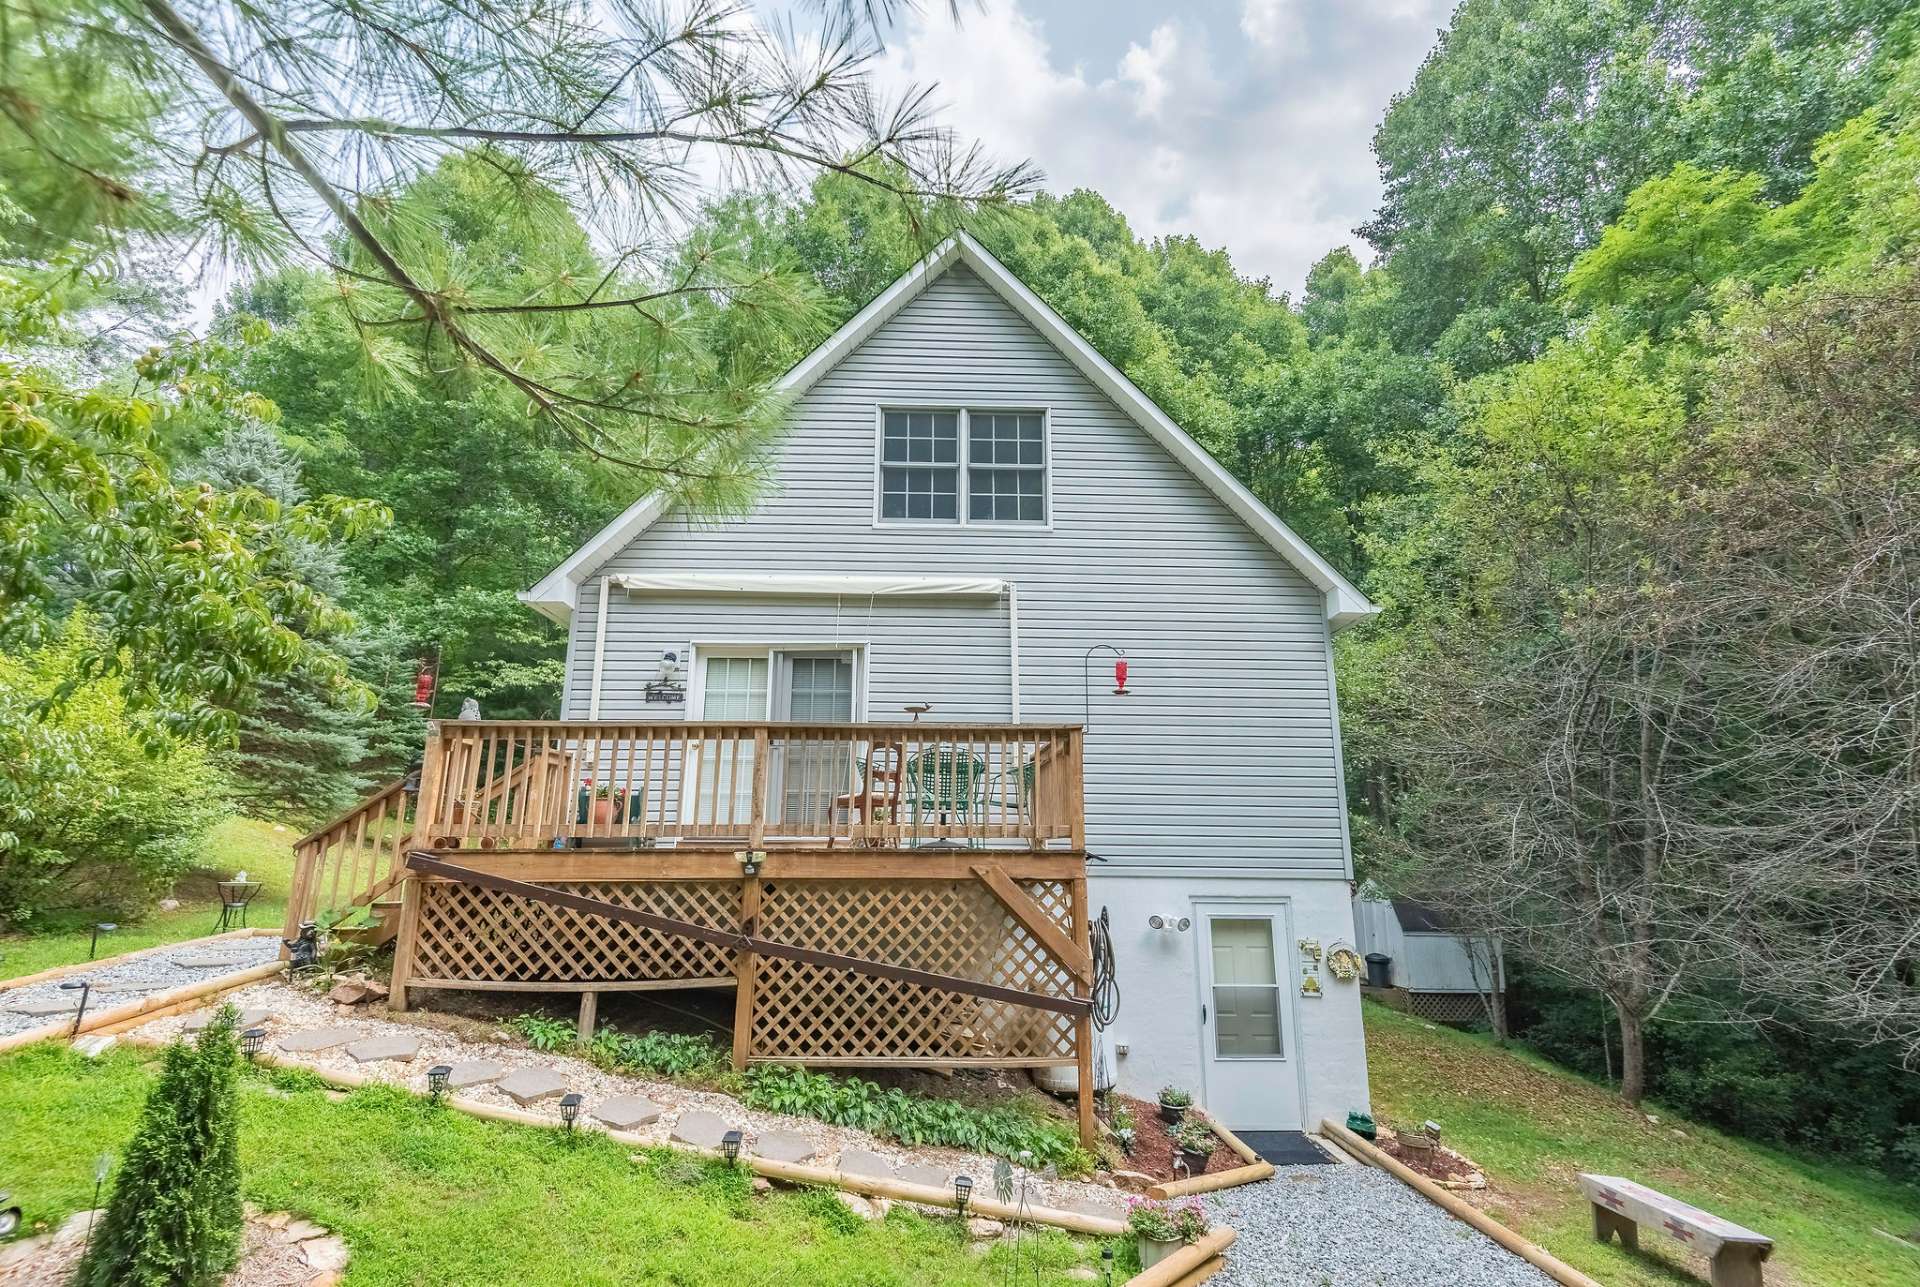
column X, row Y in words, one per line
column 1353, row 1226
column 38, row 1004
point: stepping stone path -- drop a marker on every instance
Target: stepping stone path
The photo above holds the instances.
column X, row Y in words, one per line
column 251, row 1018
column 95, row 1045
column 203, row 961
column 399, row 1046
column 135, row 985
column 624, row 1112
column 933, row 1176
column 314, row 1040
column 1103, row 1208
column 474, row 1072
column 784, row 1146
column 700, row 1128
column 65, row 1003
column 860, row 1161
column 531, row 1085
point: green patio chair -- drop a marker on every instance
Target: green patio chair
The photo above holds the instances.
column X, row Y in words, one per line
column 943, row 781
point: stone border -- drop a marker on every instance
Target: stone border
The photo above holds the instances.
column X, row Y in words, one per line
column 1534, row 1254
column 81, row 967
column 788, row 1172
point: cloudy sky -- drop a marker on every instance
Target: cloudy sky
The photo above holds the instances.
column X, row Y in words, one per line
column 1244, row 122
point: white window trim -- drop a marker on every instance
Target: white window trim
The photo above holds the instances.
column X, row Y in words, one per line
column 964, row 410
column 699, row 652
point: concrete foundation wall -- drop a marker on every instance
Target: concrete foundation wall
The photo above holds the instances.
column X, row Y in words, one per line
column 1159, row 976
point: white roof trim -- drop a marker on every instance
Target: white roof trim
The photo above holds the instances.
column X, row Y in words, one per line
column 781, row 583
column 555, row 594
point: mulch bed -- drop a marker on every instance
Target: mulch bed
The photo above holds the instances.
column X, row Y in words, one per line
column 1440, row 1164
column 1153, row 1147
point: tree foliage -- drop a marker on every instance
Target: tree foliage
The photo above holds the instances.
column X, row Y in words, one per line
column 175, row 1218
column 100, row 806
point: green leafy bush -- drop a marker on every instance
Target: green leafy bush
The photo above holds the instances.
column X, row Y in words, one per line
column 99, row 806
column 666, row 1054
column 175, row 1217
column 915, row 1120
column 543, row 1033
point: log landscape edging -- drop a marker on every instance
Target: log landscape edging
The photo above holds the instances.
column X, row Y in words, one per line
column 1534, row 1254
column 134, row 1012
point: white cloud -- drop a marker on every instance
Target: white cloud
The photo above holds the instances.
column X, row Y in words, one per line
column 1188, row 127
column 1148, row 67
column 1271, row 23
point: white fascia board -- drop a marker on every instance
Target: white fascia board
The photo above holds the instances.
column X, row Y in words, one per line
column 554, row 596
column 1345, row 603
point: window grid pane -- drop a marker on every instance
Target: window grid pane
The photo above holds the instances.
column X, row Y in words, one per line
column 1006, row 466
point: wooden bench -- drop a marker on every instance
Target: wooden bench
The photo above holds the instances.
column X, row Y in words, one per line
column 1622, row 1206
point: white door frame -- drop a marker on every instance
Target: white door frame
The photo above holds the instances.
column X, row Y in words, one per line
column 1286, row 974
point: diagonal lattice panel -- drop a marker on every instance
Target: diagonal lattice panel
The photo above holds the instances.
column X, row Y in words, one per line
column 808, row 1012
column 469, row 933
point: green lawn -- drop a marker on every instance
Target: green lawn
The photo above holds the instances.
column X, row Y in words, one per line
column 427, row 1196
column 238, row 844
column 1534, row 1126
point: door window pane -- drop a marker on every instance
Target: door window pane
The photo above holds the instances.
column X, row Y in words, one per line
column 813, row 774
column 1246, row 991
column 735, row 689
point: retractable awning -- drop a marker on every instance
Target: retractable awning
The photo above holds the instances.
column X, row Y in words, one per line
column 772, row 583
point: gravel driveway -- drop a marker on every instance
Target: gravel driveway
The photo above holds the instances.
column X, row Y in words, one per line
column 136, row 977
column 1353, row 1226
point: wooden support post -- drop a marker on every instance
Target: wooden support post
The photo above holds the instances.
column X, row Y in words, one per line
column 1608, row 1223
column 1083, row 1022
column 433, row 768
column 1737, row 1265
column 589, row 1006
column 403, row 947
column 746, row 970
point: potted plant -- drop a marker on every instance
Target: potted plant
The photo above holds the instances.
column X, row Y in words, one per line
column 1162, row 1228
column 1193, row 1141
column 1174, row 1104
column 607, row 803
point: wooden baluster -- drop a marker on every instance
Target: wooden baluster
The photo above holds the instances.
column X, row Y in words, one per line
column 432, row 769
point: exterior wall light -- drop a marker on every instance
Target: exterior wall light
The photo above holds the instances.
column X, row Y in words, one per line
column 1171, row 924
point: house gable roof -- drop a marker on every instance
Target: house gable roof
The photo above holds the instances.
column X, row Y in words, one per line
column 555, row 594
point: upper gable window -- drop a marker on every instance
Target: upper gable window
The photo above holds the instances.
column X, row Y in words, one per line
column 996, row 459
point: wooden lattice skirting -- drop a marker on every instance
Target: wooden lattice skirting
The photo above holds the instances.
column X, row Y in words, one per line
column 463, row 935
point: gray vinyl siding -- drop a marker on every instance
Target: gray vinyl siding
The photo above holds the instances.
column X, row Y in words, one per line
column 1223, row 757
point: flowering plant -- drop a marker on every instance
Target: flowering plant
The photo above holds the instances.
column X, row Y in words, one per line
column 1166, row 1221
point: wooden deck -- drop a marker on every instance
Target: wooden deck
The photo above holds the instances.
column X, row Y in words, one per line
column 905, row 894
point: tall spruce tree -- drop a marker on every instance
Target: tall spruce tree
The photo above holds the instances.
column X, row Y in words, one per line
column 300, row 745
column 175, row 1216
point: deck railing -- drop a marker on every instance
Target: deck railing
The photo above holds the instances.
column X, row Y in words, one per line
column 510, row 784
column 353, row 860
